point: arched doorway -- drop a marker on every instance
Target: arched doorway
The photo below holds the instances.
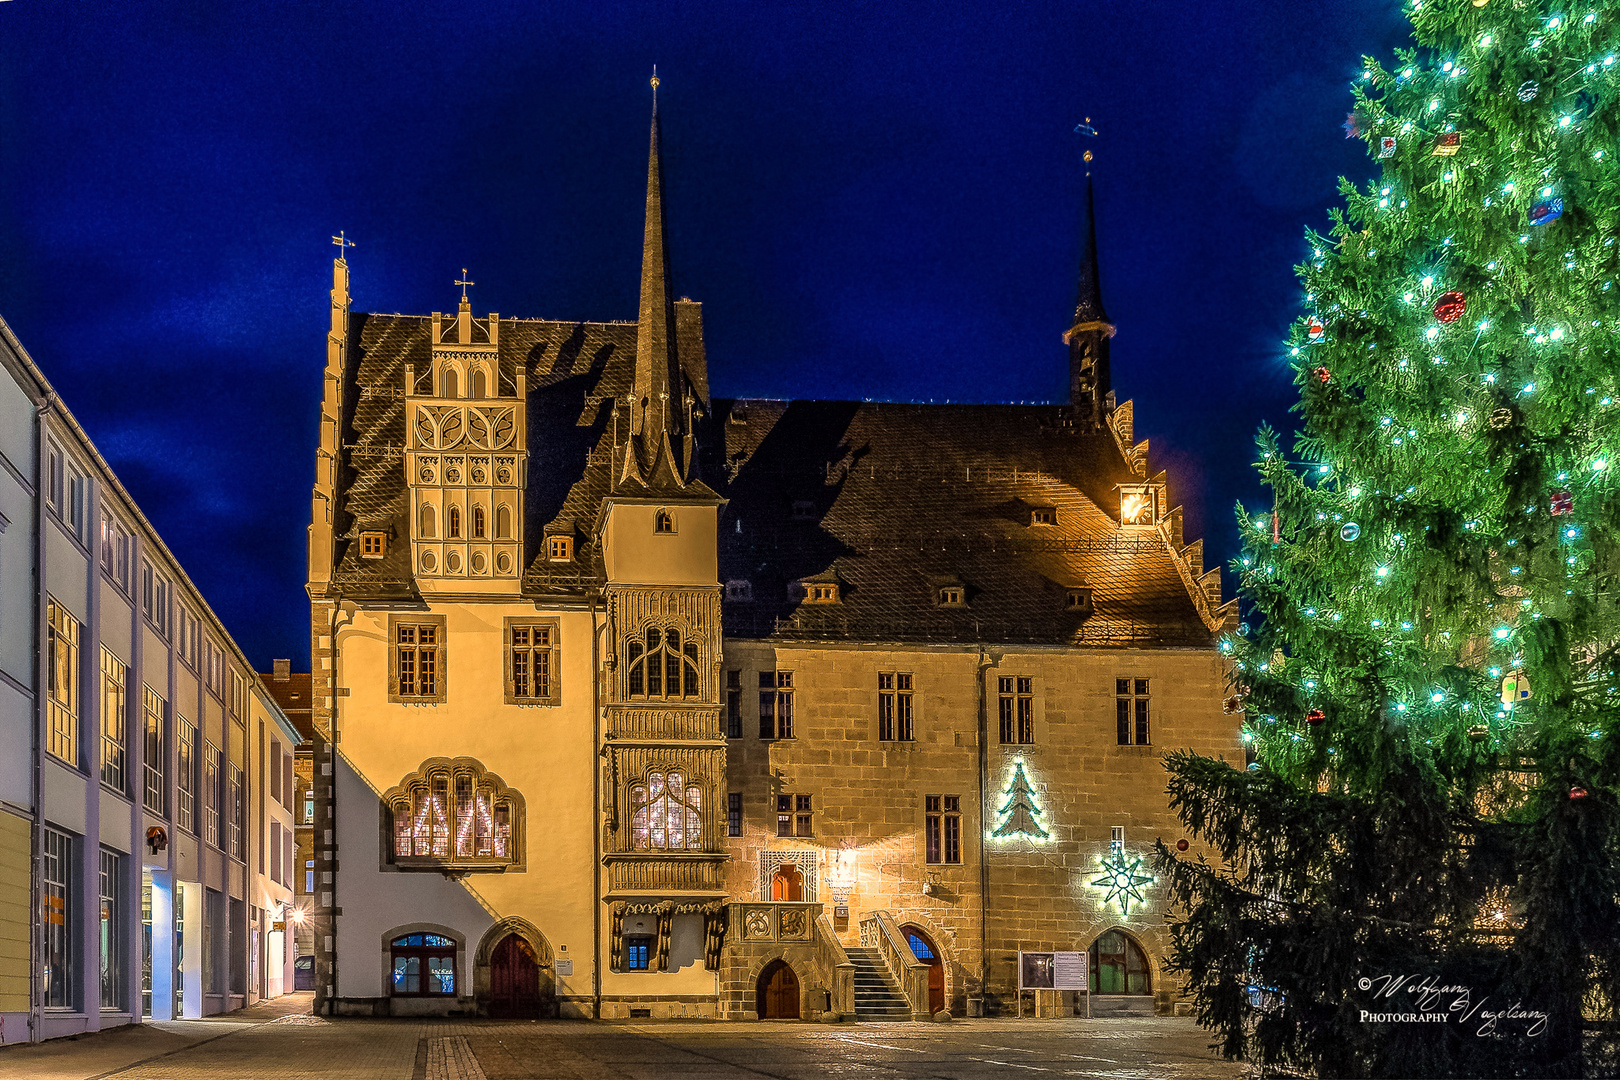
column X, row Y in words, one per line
column 514, row 980
column 1118, row 965
column 778, row 992
column 787, row 883
column 922, row 947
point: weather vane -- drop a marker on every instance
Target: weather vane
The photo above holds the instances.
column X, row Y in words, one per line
column 1089, row 132
column 342, row 242
column 464, row 283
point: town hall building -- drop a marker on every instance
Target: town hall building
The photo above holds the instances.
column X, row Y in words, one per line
column 631, row 700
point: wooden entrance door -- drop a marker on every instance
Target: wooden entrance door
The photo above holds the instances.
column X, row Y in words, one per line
column 514, row 980
column 778, row 992
column 922, row 947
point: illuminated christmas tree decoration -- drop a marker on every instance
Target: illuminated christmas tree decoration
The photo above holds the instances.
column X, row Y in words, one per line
column 1123, row 880
column 1019, row 814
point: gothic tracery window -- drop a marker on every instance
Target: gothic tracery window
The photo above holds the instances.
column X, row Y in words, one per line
column 666, row 813
column 478, row 522
column 454, row 517
column 455, row 813
column 660, row 666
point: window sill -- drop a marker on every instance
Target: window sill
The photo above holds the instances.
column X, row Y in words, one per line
column 122, row 794
column 413, row 864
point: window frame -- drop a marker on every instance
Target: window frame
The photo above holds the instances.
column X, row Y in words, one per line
column 185, row 811
column 1132, row 713
column 559, row 549
column 154, row 762
column 942, row 830
column 395, row 647
column 734, row 813
column 688, row 651
column 896, row 715
column 111, row 890
column 64, row 692
column 643, row 943
column 423, row 954
column 773, row 696
column 734, row 704
column 114, row 742
column 373, row 544
column 1015, row 711
column 440, row 777
column 58, row 901
column 669, row 803
column 795, row 815
column 552, row 651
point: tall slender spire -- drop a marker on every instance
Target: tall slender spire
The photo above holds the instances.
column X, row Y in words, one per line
column 1088, row 305
column 1090, row 388
column 657, row 411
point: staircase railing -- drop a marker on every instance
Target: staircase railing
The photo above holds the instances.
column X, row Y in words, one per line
column 837, row 969
column 880, row 931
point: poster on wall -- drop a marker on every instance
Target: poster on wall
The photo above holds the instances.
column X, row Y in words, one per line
column 1052, row 970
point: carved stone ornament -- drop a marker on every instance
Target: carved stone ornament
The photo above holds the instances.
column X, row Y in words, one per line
column 793, row 922
column 757, row 924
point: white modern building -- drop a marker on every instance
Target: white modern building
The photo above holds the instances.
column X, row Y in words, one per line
column 137, row 745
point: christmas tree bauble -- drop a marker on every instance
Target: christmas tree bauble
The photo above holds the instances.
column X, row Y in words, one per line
column 1182, row 845
column 1577, row 792
column 1479, row 733
column 1450, row 307
column 1315, row 717
column 1350, row 532
column 1314, row 329
column 1561, row 503
column 1322, row 373
column 1501, row 418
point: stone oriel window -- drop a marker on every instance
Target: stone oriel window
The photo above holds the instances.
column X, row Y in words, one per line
column 454, row 813
column 776, row 704
column 416, row 658
column 666, row 813
column 532, row 654
column 942, row 828
column 659, row 665
column 894, row 706
column 1131, row 711
column 1016, row 706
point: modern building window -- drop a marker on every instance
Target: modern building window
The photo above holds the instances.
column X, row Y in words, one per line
column 112, row 943
column 733, row 704
column 455, row 812
column 155, row 597
column 275, row 853
column 115, row 543
column 215, row 663
column 1016, row 708
column 188, row 636
column 275, row 771
column 531, row 667
column 114, row 748
column 666, row 813
column 237, row 812
column 239, row 697
column 424, row 965
column 77, row 492
column 776, row 704
column 62, row 690
column 794, row 816
column 309, row 877
column 59, row 925
column 287, row 780
column 186, row 763
column 734, row 814
column 942, row 826
column 53, row 477
column 659, row 666
column 894, row 706
column 417, row 661
column 1131, row 711
column 213, row 792
column 155, row 766
column 637, row 952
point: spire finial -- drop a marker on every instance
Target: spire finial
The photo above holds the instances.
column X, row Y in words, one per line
column 342, row 242
column 463, row 282
column 655, row 87
column 1089, row 132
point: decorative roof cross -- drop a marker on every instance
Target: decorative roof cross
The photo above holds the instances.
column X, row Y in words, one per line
column 342, row 242
column 464, row 283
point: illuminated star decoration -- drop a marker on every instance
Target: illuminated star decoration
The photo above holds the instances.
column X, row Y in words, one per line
column 1122, row 881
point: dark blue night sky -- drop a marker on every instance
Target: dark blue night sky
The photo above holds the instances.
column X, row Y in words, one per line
column 871, row 200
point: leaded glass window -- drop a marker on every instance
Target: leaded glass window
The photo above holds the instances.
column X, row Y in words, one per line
column 666, row 813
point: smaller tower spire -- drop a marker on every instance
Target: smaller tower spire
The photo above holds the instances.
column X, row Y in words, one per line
column 1090, row 389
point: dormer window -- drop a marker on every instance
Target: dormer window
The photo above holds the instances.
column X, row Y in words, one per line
column 820, row 592
column 1042, row 515
column 373, row 545
column 1136, row 506
column 952, row 596
column 739, row 590
column 560, row 548
column 804, row 510
column 1078, row 600
column 663, row 522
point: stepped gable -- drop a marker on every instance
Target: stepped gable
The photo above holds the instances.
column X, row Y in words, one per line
column 893, row 502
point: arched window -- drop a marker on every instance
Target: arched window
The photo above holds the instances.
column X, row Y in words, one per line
column 478, row 523
column 663, row 522
column 477, row 383
column 1118, row 965
column 455, row 813
column 659, row 667
column 666, row 814
column 454, row 532
column 428, row 523
column 787, row 883
column 450, row 388
column 423, row 965
column 503, row 522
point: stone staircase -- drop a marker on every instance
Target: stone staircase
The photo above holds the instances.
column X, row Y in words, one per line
column 877, row 996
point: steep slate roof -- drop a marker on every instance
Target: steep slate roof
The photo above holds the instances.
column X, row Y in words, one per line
column 902, row 499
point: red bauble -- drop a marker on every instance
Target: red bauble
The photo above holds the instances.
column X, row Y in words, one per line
column 1323, row 373
column 1181, row 845
column 1314, row 329
column 1450, row 307
column 1315, row 716
column 1577, row 792
column 1562, row 502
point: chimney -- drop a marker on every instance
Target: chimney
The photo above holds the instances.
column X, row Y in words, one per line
column 283, row 669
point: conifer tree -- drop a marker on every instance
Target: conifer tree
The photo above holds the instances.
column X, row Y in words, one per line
column 1431, row 658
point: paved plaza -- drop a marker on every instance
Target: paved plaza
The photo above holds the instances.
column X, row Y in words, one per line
column 269, row 1041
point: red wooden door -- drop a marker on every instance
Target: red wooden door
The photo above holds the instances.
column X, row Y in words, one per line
column 922, row 947
column 514, row 980
column 778, row 992
column 936, row 986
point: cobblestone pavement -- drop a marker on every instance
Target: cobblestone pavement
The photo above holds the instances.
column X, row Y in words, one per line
column 302, row 1047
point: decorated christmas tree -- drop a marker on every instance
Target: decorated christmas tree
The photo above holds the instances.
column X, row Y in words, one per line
column 1019, row 813
column 1431, row 657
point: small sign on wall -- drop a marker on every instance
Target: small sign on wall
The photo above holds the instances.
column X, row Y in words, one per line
column 1052, row 970
column 565, row 967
